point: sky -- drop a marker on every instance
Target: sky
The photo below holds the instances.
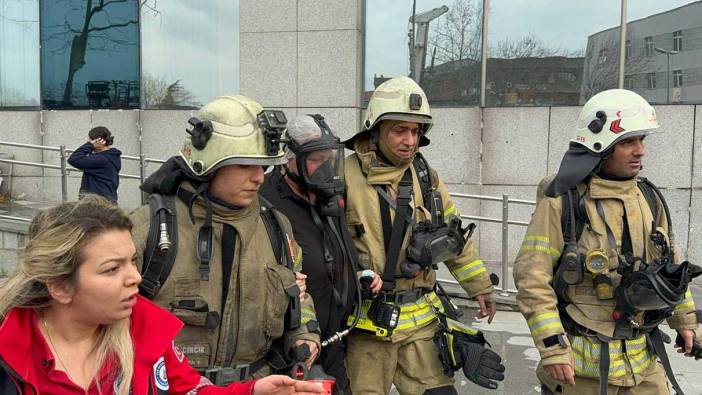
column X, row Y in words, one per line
column 564, row 24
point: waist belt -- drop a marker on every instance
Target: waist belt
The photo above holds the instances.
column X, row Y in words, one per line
column 225, row 376
column 420, row 311
column 403, row 297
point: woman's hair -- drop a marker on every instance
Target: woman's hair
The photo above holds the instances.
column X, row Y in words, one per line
column 54, row 253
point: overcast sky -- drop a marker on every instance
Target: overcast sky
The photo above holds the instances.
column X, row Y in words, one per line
column 557, row 23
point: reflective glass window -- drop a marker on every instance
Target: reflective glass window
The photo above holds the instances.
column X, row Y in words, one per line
column 190, row 52
column 440, row 47
column 19, row 53
column 90, row 54
column 662, row 35
column 532, row 63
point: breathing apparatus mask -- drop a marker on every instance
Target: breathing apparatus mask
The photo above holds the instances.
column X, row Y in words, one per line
column 320, row 168
column 654, row 290
column 432, row 243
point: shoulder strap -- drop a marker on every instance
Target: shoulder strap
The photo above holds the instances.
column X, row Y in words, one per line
column 279, row 242
column 275, row 233
column 399, row 227
column 228, row 251
column 161, row 244
column 573, row 215
column 649, row 193
column 432, row 201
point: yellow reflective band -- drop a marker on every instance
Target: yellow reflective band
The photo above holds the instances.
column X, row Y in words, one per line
column 419, row 313
column 687, row 303
column 429, row 299
column 450, row 210
column 540, row 244
column 297, row 258
column 307, row 314
column 586, row 354
column 469, row 270
column 543, row 239
column 416, row 319
column 542, row 322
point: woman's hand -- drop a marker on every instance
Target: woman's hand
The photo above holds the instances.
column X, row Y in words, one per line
column 284, row 385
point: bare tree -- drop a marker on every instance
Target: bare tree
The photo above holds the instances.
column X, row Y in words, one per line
column 601, row 67
column 159, row 93
column 457, row 33
column 529, row 46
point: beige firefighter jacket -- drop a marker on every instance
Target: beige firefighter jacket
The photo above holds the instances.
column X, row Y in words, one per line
column 254, row 311
column 539, row 254
column 363, row 173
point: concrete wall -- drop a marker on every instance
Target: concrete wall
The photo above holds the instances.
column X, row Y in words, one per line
column 303, row 58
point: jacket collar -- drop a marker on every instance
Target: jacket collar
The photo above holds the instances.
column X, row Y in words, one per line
column 377, row 172
column 244, row 220
column 611, row 189
column 152, row 328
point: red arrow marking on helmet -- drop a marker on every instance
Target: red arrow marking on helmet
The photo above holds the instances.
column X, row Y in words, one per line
column 615, row 128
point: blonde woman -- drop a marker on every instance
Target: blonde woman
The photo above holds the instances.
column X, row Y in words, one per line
column 73, row 323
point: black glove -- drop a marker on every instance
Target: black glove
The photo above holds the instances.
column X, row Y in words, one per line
column 481, row 365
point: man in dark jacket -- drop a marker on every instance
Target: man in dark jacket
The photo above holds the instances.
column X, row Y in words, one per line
column 309, row 191
column 100, row 164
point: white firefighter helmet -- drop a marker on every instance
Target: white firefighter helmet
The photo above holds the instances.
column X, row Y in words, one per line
column 399, row 99
column 233, row 130
column 611, row 116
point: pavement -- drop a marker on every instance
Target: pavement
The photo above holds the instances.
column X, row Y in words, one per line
column 509, row 336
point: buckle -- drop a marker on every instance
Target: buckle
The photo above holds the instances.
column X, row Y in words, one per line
column 403, row 297
column 149, row 288
column 408, row 296
column 226, row 376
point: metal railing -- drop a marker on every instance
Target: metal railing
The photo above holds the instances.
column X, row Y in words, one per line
column 65, row 169
column 143, row 162
column 504, row 220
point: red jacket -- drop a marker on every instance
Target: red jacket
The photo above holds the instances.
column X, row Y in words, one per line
column 26, row 364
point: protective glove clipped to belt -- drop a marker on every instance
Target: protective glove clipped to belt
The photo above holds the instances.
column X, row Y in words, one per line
column 461, row 347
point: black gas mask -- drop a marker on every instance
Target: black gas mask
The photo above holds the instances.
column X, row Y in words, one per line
column 653, row 289
column 433, row 243
column 320, row 166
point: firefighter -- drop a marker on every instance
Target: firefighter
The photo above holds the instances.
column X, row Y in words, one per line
column 403, row 224
column 598, row 269
column 219, row 257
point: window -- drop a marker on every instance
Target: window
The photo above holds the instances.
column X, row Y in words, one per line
column 19, row 53
column 204, row 43
column 602, row 57
column 627, row 49
column 91, row 63
column 628, row 82
column 677, row 78
column 677, row 40
column 651, row 78
column 648, row 46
